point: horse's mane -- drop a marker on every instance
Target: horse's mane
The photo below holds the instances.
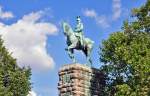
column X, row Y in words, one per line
column 68, row 26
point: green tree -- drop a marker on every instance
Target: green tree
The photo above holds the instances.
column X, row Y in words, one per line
column 14, row 81
column 126, row 56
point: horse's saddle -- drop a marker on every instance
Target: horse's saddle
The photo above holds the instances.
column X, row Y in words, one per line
column 79, row 38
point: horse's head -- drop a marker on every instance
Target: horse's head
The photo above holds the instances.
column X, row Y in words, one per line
column 67, row 29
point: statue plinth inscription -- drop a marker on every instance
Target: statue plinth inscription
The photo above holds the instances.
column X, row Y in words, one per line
column 79, row 80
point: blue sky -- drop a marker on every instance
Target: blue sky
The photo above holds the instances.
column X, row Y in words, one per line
column 32, row 30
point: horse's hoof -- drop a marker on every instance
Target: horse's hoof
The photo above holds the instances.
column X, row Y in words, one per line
column 66, row 49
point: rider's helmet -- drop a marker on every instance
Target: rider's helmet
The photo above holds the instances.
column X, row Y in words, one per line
column 78, row 18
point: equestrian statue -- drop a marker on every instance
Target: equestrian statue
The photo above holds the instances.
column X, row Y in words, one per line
column 76, row 40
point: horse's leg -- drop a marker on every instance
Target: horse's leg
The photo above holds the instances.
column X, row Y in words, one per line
column 89, row 61
column 73, row 58
column 72, row 46
column 71, row 55
column 71, row 52
column 89, row 49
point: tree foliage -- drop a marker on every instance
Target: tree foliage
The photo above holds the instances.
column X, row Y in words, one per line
column 14, row 81
column 126, row 56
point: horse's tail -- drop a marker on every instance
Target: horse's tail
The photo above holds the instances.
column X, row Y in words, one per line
column 89, row 41
column 92, row 42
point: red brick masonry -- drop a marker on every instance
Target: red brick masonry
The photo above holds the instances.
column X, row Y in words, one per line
column 79, row 80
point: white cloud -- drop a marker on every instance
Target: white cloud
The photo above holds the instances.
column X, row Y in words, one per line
column 27, row 39
column 5, row 14
column 90, row 13
column 32, row 93
column 101, row 20
column 116, row 9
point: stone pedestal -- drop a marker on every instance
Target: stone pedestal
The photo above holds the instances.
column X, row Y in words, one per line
column 80, row 80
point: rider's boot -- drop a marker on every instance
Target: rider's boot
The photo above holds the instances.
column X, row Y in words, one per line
column 81, row 39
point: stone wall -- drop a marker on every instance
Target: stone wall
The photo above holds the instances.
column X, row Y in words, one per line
column 80, row 80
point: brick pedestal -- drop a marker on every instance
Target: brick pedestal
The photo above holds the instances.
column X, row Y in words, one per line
column 80, row 80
